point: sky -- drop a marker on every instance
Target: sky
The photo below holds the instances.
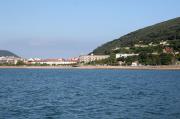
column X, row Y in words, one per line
column 69, row 28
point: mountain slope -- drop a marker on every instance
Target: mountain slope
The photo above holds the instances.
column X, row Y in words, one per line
column 168, row 30
column 7, row 53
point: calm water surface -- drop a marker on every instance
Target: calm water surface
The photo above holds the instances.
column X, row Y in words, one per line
column 89, row 94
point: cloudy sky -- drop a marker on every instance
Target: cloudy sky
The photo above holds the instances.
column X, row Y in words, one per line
column 67, row 28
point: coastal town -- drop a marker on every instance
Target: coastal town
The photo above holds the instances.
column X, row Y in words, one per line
column 11, row 60
column 94, row 59
column 156, row 45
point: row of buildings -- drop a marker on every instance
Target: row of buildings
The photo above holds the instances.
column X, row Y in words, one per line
column 58, row 61
column 55, row 61
column 91, row 57
column 52, row 61
column 10, row 60
column 71, row 61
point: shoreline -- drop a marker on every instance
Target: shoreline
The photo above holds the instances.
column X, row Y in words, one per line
column 168, row 67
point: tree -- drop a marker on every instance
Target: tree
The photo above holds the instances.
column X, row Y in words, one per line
column 112, row 59
column 166, row 59
column 178, row 57
column 19, row 63
column 153, row 60
column 143, row 58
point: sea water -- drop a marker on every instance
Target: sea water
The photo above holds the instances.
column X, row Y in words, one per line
column 89, row 94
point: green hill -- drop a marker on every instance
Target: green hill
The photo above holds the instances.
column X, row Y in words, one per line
column 7, row 53
column 166, row 31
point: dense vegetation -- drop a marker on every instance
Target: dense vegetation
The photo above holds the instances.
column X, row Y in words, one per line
column 143, row 59
column 154, row 45
column 168, row 30
column 7, row 53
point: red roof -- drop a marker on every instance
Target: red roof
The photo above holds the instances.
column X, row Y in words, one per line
column 168, row 49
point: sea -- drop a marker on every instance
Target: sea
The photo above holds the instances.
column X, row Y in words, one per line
column 89, row 94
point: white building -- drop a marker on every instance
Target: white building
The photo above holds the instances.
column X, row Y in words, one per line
column 10, row 60
column 90, row 58
column 134, row 64
column 117, row 48
column 152, row 44
column 164, row 43
column 121, row 63
column 59, row 61
column 140, row 45
column 119, row 55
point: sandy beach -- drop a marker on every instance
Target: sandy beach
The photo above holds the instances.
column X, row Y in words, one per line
column 169, row 67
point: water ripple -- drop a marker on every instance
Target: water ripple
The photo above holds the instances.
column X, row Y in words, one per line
column 89, row 94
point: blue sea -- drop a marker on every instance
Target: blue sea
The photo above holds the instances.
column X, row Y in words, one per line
column 89, row 94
